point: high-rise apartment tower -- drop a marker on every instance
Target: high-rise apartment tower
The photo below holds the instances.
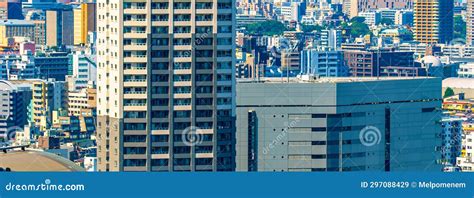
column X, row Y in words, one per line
column 166, row 85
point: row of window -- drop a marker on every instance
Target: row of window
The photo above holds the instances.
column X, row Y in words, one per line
column 224, row 161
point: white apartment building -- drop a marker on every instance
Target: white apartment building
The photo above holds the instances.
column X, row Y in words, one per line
column 466, row 70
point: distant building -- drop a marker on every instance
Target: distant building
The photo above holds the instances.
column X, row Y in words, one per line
column 320, row 124
column 324, row 63
column 15, row 28
column 18, row 66
column 381, row 63
column 293, row 11
column 290, row 61
column 11, row 9
column 466, row 160
column 84, row 22
column 59, row 27
column 48, row 95
column 404, row 17
column 372, row 17
column 331, row 38
column 433, row 21
column 466, row 70
column 357, row 6
column 46, row 142
column 470, row 23
column 84, row 71
column 54, row 65
column 451, row 140
column 15, row 98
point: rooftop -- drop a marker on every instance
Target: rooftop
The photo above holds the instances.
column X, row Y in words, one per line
column 307, row 79
column 30, row 161
column 460, row 83
column 16, row 22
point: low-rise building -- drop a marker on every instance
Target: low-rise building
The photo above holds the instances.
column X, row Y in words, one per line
column 324, row 124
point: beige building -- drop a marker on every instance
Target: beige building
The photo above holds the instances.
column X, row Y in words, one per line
column 84, row 22
column 165, row 85
column 82, row 102
column 433, row 21
column 47, row 97
column 470, row 22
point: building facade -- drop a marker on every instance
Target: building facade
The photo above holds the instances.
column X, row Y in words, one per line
column 165, row 75
column 324, row 63
column 323, row 124
column 15, row 99
column 433, row 21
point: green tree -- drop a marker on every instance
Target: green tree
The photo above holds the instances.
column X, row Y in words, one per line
column 269, row 28
column 459, row 27
column 359, row 29
column 358, row 19
column 448, row 92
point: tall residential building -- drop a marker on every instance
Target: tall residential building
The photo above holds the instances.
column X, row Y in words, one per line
column 433, row 21
column 470, row 22
column 339, row 124
column 165, row 85
column 84, row 22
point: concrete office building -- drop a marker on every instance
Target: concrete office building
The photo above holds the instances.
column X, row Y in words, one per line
column 165, row 69
column 14, row 99
column 433, row 21
column 324, row 124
